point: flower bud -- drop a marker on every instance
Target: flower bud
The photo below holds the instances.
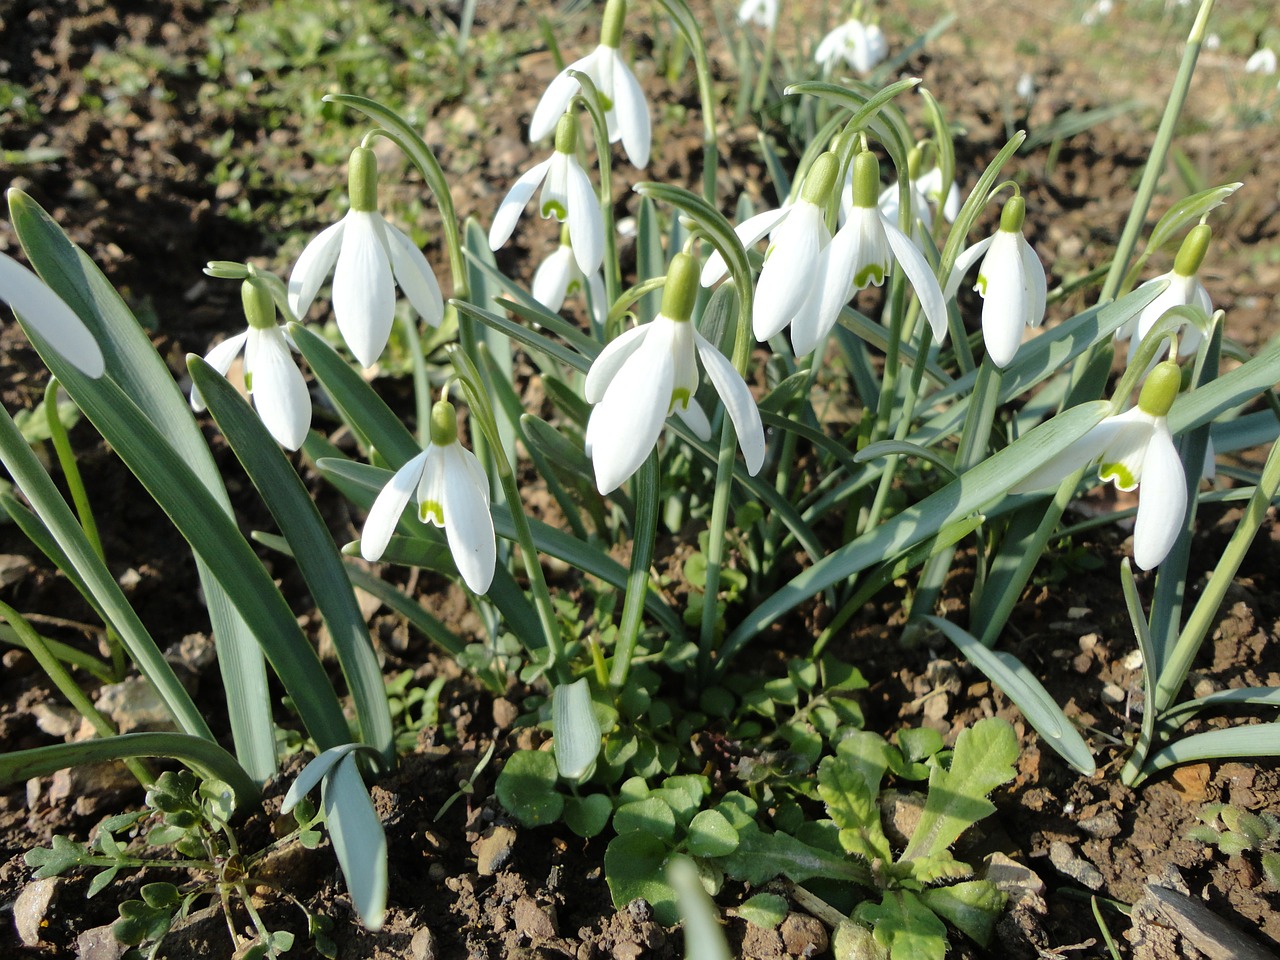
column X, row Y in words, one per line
column 1161, row 389
column 1013, row 214
column 362, row 180
column 567, row 135
column 444, row 423
column 820, row 180
column 1191, row 253
column 681, row 289
column 615, row 14
column 259, row 307
column 866, row 179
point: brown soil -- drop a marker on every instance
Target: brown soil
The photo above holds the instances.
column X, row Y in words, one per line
column 132, row 189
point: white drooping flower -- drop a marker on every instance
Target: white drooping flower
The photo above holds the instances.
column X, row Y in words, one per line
column 1184, row 289
column 626, row 112
column 452, row 492
column 1011, row 281
column 860, row 47
column 1134, row 450
column 566, row 195
column 368, row 258
column 650, row 372
column 50, row 317
column 861, row 253
column 1263, row 61
column 559, row 275
column 271, row 376
column 763, row 13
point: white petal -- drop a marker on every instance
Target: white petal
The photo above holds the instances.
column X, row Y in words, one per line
column 737, row 400
column 467, row 521
column 1033, row 270
column 818, row 314
column 50, row 316
column 220, row 358
column 1162, row 500
column 586, row 222
column 1004, row 298
column 414, row 276
column 551, row 279
column 513, row 204
column 555, row 100
column 967, row 258
column 598, row 299
column 364, row 291
column 1071, row 458
column 632, row 113
column 918, row 271
column 1123, row 456
column 315, row 264
column 750, row 231
column 625, row 425
column 787, row 276
column 385, row 513
column 695, row 419
column 610, row 360
column 279, row 389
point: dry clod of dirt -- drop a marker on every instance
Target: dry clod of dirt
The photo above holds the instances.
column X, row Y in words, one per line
column 100, row 943
column 31, row 909
column 494, row 849
column 1074, row 867
column 803, row 935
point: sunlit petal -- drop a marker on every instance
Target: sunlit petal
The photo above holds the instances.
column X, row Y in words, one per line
column 625, row 424
column 555, row 100
column 551, row 279
column 610, row 360
column 468, row 524
column 632, row 112
column 750, row 231
column 1038, row 291
column 513, row 204
column 1004, row 298
column 586, row 222
column 314, row 266
column 695, row 419
column 415, row 276
column 918, row 271
column 967, row 258
column 279, row 390
column 787, row 277
column 364, row 292
column 385, row 513
column 220, row 358
column 1162, row 500
column 738, row 402
column 50, row 317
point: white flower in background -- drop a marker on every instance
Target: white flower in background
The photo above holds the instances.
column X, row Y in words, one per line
column 368, row 258
column 1134, row 449
column 860, row 47
column 861, row 253
column 50, row 317
column 626, row 112
column 271, row 376
column 650, row 372
column 1025, row 87
column 1011, row 281
column 1184, row 288
column 559, row 275
column 566, row 195
column 1263, row 61
column 452, row 492
column 926, row 194
column 1099, row 11
column 763, row 13
column 1212, row 42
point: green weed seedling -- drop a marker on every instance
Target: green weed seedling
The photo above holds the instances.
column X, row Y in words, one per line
column 1236, row 832
column 189, row 818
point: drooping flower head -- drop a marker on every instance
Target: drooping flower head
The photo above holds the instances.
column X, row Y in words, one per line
column 566, row 195
column 452, row 492
column 860, row 47
column 1011, row 281
column 271, row 377
column 650, row 372
column 49, row 315
column 927, row 193
column 368, row 258
column 1134, row 450
column 559, row 275
column 1184, row 288
column 763, row 13
column 626, row 112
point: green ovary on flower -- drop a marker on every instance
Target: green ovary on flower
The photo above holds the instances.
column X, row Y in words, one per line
column 444, row 423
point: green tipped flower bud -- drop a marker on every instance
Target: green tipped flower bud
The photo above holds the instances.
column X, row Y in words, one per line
column 866, row 179
column 1191, row 253
column 567, row 135
column 615, row 14
column 362, row 180
column 1161, row 389
column 1011, row 217
column 259, row 308
column 444, row 423
column 820, row 180
column 681, row 289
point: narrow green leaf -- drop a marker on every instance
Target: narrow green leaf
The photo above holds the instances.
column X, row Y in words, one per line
column 703, row 938
column 1251, row 740
column 358, row 840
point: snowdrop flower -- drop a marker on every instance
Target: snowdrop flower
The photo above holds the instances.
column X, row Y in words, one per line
column 750, row 231
column 50, row 317
column 1025, row 88
column 368, row 257
column 1097, row 12
column 452, row 492
column 1262, row 61
column 1183, row 289
column 1134, row 449
column 763, row 13
column 861, row 253
column 559, row 275
column 651, row 371
column 566, row 195
column 1011, row 281
column 860, row 47
column 626, row 112
column 926, row 193
column 271, row 377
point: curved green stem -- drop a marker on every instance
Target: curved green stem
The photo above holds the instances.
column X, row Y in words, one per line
column 645, row 491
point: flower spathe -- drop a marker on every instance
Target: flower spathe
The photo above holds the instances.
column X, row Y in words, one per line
column 50, row 317
column 650, row 372
column 1011, row 281
column 860, row 46
column 626, row 112
column 452, row 492
column 1134, row 450
column 368, row 258
column 271, row 378
column 566, row 195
